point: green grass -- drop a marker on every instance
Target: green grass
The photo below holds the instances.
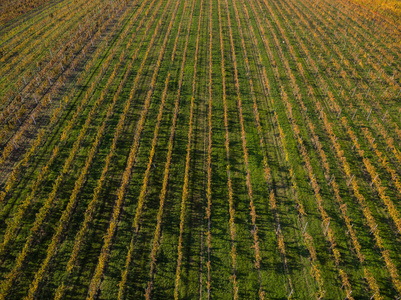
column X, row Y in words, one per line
column 279, row 275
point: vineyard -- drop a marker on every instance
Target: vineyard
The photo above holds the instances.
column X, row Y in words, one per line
column 226, row 149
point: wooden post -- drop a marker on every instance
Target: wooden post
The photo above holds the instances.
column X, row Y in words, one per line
column 354, row 144
column 367, row 119
column 373, row 230
column 374, row 179
column 327, row 228
column 373, row 296
column 331, row 179
column 384, row 115
column 349, row 182
column 367, row 93
column 354, row 114
column 350, row 229
column 354, row 92
column 305, row 228
column 339, row 112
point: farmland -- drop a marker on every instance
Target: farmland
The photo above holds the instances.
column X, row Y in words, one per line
column 224, row 149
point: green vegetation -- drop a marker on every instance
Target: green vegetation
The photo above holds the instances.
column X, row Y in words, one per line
column 188, row 149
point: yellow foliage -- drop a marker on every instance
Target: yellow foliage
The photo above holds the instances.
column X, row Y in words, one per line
column 387, row 8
